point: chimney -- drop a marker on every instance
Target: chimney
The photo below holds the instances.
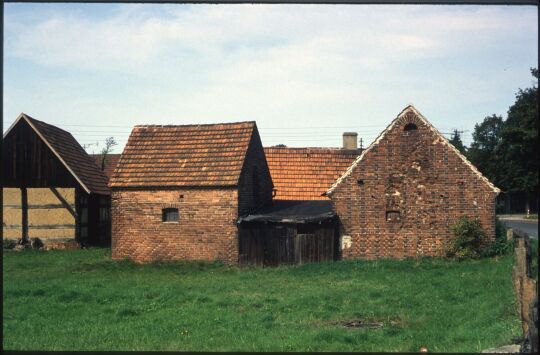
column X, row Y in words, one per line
column 350, row 140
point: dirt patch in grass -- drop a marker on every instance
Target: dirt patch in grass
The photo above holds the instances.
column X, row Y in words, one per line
column 360, row 324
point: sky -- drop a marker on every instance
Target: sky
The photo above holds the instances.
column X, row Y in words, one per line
column 304, row 73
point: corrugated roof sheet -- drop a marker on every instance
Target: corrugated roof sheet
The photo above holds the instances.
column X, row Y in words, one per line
column 306, row 173
column 73, row 155
column 185, row 155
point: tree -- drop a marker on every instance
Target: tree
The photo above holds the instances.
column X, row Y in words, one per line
column 484, row 151
column 109, row 144
column 506, row 151
column 457, row 142
column 519, row 141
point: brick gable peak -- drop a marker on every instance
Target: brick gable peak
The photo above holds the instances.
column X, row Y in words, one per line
column 410, row 114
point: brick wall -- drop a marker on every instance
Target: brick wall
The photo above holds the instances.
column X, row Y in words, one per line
column 420, row 184
column 250, row 197
column 206, row 229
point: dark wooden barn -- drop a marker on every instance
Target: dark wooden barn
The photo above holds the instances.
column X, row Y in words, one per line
column 289, row 232
column 53, row 190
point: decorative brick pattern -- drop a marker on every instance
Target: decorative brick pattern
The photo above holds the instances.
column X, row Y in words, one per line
column 401, row 196
column 306, row 173
column 206, row 229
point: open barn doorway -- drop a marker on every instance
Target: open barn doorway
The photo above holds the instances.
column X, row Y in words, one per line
column 289, row 232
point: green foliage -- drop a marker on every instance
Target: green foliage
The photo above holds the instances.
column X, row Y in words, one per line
column 485, row 150
column 467, row 240
column 82, row 300
column 9, row 243
column 519, row 138
column 506, row 151
column 501, row 246
column 457, row 142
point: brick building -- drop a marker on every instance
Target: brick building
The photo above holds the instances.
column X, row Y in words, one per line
column 178, row 191
column 401, row 195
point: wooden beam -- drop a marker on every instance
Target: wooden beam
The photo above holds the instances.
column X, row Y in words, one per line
column 24, row 214
column 66, row 204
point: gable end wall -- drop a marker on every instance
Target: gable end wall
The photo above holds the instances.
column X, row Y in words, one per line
column 251, row 197
column 415, row 176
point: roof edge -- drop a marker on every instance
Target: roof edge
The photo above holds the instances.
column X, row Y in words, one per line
column 172, row 187
column 28, row 120
column 191, row 125
column 408, row 108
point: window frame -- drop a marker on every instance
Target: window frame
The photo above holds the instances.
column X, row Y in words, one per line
column 167, row 212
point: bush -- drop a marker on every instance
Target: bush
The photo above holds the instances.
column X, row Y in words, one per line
column 9, row 243
column 467, row 240
column 501, row 246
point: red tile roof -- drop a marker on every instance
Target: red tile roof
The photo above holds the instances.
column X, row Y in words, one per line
column 306, row 173
column 72, row 155
column 110, row 163
column 188, row 155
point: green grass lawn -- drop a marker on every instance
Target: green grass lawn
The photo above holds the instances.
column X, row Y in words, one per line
column 81, row 300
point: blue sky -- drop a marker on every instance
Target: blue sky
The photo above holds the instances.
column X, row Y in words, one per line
column 305, row 73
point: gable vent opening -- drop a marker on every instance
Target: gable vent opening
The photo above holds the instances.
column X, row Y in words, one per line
column 410, row 127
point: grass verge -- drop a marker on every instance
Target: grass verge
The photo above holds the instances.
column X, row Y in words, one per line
column 82, row 300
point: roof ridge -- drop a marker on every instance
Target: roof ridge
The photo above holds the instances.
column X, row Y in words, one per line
column 212, row 155
column 320, row 148
column 44, row 123
column 194, row 124
column 65, row 147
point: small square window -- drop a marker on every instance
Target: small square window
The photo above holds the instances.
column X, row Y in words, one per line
column 393, row 216
column 170, row 215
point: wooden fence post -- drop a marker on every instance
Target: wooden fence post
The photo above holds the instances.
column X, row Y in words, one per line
column 525, row 288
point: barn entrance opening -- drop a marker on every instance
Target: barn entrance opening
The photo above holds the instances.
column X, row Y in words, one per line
column 289, row 232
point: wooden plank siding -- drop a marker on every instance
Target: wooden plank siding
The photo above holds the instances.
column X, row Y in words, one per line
column 272, row 244
column 28, row 162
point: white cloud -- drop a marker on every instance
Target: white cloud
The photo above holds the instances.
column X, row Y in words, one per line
column 134, row 39
column 281, row 65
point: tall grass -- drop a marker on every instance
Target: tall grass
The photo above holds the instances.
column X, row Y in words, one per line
column 81, row 300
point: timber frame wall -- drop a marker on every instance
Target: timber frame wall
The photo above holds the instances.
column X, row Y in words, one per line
column 42, row 198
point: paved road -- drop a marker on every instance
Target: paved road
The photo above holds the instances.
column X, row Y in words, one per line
column 529, row 227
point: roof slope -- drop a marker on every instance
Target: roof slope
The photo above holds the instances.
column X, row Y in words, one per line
column 70, row 153
column 187, row 155
column 306, row 173
column 410, row 109
column 110, row 163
